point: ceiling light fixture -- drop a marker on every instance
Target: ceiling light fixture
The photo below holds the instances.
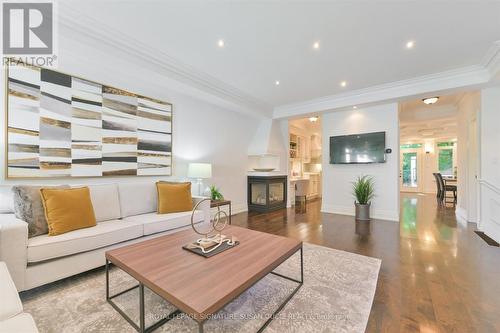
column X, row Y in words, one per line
column 354, row 107
column 316, row 45
column 313, row 119
column 410, row 44
column 430, row 100
column 220, row 43
column 277, row 83
column 343, row 83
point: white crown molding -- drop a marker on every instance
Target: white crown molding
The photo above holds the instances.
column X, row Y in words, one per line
column 98, row 34
column 469, row 76
column 491, row 60
column 453, row 79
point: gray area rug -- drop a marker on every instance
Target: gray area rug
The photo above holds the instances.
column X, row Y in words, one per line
column 336, row 296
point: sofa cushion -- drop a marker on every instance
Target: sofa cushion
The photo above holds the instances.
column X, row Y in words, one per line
column 10, row 304
column 137, row 198
column 106, row 233
column 154, row 223
column 67, row 209
column 106, row 202
column 6, row 200
column 21, row 323
column 28, row 207
column 174, row 197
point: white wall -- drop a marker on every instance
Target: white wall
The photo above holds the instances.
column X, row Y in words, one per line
column 430, row 166
column 490, row 162
column 468, row 109
column 337, row 192
column 202, row 132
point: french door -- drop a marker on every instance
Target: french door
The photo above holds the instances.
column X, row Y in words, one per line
column 410, row 178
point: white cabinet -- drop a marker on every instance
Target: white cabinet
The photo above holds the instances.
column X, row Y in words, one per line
column 314, row 186
column 300, row 147
column 315, row 148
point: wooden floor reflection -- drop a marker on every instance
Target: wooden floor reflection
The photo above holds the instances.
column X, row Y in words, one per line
column 437, row 275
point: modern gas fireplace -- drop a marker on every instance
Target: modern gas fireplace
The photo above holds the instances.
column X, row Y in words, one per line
column 266, row 193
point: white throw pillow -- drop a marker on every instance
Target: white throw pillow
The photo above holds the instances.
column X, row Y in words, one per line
column 106, row 202
column 138, row 198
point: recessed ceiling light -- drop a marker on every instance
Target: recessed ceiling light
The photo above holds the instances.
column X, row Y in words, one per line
column 343, row 83
column 430, row 100
column 410, row 44
column 220, row 43
column 316, row 45
column 277, row 83
column 354, row 107
column 313, row 119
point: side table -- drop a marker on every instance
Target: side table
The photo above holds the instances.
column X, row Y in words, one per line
column 219, row 203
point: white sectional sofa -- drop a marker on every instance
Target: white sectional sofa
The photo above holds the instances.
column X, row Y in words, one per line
column 125, row 213
column 12, row 317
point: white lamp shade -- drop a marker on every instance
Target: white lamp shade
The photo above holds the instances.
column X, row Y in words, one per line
column 199, row 170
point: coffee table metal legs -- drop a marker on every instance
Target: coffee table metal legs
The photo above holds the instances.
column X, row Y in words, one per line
column 142, row 318
column 142, row 314
column 282, row 305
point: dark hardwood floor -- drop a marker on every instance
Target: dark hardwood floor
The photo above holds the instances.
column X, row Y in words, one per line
column 437, row 275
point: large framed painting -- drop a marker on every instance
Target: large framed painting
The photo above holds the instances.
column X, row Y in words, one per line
column 60, row 125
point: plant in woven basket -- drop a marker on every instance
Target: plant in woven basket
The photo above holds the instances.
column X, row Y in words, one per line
column 215, row 193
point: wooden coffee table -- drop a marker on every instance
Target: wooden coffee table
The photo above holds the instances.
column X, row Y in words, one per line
column 198, row 286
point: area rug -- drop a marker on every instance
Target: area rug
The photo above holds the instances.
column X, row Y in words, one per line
column 336, row 296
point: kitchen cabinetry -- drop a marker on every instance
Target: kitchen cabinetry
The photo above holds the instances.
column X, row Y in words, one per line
column 314, row 186
column 300, row 147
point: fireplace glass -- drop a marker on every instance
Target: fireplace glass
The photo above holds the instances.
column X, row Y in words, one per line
column 266, row 193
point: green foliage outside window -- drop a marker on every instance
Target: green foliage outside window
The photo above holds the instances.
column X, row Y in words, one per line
column 407, row 157
column 411, row 146
column 445, row 162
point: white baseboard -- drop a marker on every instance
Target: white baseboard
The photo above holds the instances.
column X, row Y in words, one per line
column 235, row 208
column 378, row 214
column 461, row 214
column 239, row 208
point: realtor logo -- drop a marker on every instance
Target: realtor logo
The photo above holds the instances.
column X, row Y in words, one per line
column 28, row 28
column 29, row 31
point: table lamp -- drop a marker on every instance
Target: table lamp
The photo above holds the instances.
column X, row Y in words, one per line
column 199, row 171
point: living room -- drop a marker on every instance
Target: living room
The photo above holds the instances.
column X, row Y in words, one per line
column 135, row 132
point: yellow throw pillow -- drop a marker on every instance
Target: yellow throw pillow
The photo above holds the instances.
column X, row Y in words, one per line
column 67, row 209
column 174, row 197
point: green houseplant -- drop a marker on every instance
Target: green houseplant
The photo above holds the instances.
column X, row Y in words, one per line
column 215, row 193
column 364, row 192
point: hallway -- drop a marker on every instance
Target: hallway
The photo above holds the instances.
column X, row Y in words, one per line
column 431, row 264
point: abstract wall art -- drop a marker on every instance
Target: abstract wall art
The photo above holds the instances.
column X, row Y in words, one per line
column 59, row 125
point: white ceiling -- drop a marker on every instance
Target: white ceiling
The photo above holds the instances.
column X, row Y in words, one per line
column 362, row 42
column 419, row 122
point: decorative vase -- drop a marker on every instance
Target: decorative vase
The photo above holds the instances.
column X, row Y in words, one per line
column 362, row 211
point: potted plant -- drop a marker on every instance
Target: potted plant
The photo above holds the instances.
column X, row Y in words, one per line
column 215, row 193
column 363, row 191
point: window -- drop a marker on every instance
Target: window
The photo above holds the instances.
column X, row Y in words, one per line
column 411, row 145
column 445, row 159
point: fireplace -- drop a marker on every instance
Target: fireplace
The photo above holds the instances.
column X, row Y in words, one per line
column 266, row 193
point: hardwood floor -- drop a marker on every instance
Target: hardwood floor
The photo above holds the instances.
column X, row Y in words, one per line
column 437, row 275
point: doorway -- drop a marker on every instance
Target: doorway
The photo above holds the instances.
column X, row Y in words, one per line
column 410, row 170
column 305, row 160
column 472, row 171
column 429, row 130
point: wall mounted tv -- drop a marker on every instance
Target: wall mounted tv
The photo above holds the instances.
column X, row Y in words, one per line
column 358, row 148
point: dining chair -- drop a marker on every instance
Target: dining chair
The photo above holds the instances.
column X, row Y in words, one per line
column 447, row 188
column 439, row 190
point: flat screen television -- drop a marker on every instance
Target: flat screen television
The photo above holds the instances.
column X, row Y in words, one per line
column 358, row 148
